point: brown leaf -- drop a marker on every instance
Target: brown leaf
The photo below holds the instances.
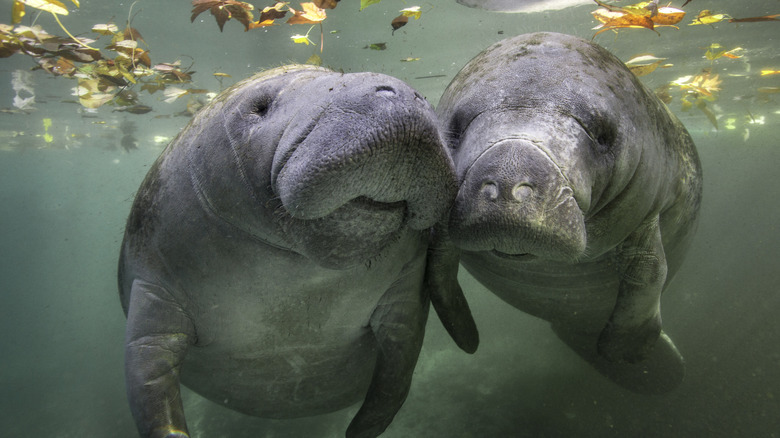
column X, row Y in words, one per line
column 755, row 19
column 224, row 10
column 310, row 14
column 326, row 4
column 131, row 33
column 627, row 21
column 399, row 22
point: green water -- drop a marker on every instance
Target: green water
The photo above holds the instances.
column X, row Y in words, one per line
column 64, row 204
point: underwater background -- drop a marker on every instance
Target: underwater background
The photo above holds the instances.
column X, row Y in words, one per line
column 68, row 176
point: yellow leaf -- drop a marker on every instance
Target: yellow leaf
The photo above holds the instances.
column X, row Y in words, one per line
column 707, row 17
column 17, row 12
column 769, row 72
column 668, row 16
column 310, row 14
column 301, row 39
column 105, row 29
column 365, row 3
column 644, row 65
column 53, row 6
column 413, row 11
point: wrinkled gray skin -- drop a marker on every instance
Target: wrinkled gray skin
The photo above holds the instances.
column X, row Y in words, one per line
column 578, row 197
column 273, row 259
column 523, row 6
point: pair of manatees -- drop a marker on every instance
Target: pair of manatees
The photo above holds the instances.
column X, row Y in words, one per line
column 279, row 258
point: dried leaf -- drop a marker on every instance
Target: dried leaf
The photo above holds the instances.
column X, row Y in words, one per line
column 326, row 4
column 668, row 16
column 628, row 21
column 399, row 22
column 223, row 10
column 310, row 14
column 17, row 12
column 365, row 3
column 105, row 29
column 132, row 34
column 707, row 17
column 755, row 19
column 53, row 6
column 413, row 11
column 644, row 65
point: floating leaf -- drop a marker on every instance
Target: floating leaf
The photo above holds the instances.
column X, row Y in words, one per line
column 173, row 93
column 399, row 22
column 17, row 12
column 644, row 64
column 302, row 39
column 413, row 11
column 768, row 72
column 410, row 59
column 105, row 29
column 713, row 52
column 53, row 6
column 668, row 16
column 131, row 33
column 135, row 109
column 222, row 75
column 704, row 84
column 366, row 3
column 708, row 17
column 269, row 14
column 627, row 21
column 224, row 10
column 310, row 14
column 768, row 90
column 327, row 4
column 376, row 46
column 314, row 59
column 755, row 19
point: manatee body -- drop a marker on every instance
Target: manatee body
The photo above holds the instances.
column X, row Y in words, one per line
column 273, row 259
column 578, row 196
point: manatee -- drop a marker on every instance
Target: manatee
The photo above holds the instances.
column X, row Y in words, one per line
column 578, row 197
column 274, row 255
column 522, row 6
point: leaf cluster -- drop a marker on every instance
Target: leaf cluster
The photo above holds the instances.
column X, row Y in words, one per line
column 224, row 10
column 102, row 77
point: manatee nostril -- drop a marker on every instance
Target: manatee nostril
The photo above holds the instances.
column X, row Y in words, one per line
column 490, row 190
column 522, row 191
column 385, row 90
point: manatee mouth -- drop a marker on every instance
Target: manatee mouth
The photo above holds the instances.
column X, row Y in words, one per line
column 522, row 257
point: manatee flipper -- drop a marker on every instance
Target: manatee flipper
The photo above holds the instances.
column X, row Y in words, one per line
column 661, row 372
column 441, row 284
column 156, row 340
column 398, row 323
column 635, row 323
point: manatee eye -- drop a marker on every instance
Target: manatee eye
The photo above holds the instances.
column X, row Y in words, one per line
column 605, row 134
column 262, row 105
column 601, row 132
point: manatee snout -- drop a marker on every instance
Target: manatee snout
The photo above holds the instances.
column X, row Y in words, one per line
column 514, row 200
column 377, row 139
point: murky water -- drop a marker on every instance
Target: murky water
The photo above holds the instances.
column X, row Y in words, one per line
column 64, row 204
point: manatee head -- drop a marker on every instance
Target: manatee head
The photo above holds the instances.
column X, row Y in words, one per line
column 546, row 131
column 338, row 165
